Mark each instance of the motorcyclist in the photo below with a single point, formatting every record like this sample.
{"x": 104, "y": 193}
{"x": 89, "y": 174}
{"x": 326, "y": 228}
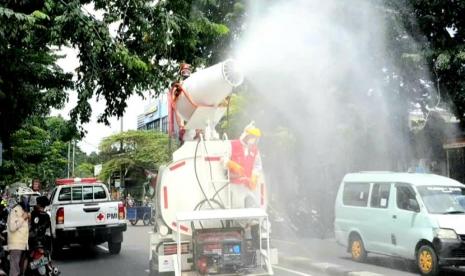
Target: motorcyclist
{"x": 40, "y": 222}
{"x": 3, "y": 221}
{"x": 3, "y": 212}
{"x": 18, "y": 228}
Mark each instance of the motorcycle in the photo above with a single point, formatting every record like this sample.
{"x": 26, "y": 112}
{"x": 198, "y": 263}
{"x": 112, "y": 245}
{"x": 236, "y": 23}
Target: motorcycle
{"x": 4, "y": 262}
{"x": 308, "y": 222}
{"x": 39, "y": 261}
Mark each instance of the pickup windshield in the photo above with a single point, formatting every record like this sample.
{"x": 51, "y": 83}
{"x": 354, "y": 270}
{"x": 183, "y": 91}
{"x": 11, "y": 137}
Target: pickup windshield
{"x": 443, "y": 199}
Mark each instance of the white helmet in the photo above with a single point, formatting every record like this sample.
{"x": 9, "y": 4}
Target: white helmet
{"x": 24, "y": 191}
{"x": 26, "y": 196}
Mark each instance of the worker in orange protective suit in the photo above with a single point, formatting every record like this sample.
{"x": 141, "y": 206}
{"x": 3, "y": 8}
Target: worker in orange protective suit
{"x": 245, "y": 163}
{"x": 176, "y": 91}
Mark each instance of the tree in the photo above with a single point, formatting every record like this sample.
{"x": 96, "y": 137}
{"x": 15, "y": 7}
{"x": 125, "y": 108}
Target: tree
{"x": 38, "y": 150}
{"x": 85, "y": 170}
{"x": 430, "y": 35}
{"x": 30, "y": 81}
{"x": 152, "y": 38}
{"x": 140, "y": 149}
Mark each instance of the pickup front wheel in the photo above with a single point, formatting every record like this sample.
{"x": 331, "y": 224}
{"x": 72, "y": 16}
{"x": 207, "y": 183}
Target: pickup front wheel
{"x": 114, "y": 247}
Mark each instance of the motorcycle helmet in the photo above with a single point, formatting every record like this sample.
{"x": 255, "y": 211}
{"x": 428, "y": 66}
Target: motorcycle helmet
{"x": 23, "y": 197}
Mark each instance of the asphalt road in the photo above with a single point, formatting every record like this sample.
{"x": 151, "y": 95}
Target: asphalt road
{"x": 133, "y": 259}
{"x": 325, "y": 252}
{"x": 90, "y": 261}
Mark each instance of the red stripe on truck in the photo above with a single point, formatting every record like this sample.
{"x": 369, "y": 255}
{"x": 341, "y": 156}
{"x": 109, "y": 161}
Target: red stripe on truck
{"x": 182, "y": 227}
{"x": 165, "y": 197}
{"x": 174, "y": 167}
{"x": 212, "y": 158}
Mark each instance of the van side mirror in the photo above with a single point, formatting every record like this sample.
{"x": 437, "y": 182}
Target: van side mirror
{"x": 413, "y": 205}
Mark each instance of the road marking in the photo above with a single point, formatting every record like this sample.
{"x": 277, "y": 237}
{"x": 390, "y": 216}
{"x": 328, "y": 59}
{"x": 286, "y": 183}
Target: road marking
{"x": 103, "y": 248}
{"x": 364, "y": 273}
{"x": 284, "y": 241}
{"x": 291, "y": 271}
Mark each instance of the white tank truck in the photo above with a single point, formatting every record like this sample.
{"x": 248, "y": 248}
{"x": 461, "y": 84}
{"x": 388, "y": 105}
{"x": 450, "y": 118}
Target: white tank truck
{"x": 204, "y": 223}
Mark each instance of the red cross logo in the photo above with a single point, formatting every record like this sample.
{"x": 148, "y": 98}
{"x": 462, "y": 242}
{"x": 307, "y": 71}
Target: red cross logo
{"x": 100, "y": 217}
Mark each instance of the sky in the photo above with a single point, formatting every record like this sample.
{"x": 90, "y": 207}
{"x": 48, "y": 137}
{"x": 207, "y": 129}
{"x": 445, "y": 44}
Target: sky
{"x": 97, "y": 131}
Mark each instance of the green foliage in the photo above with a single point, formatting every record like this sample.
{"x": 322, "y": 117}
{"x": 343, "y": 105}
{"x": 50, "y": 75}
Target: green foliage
{"x": 38, "y": 150}
{"x": 235, "y": 119}
{"x": 140, "y": 149}
{"x": 85, "y": 170}
{"x": 151, "y": 40}
{"x": 433, "y": 31}
{"x": 30, "y": 81}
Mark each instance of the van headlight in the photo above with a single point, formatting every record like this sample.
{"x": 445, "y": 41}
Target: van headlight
{"x": 446, "y": 234}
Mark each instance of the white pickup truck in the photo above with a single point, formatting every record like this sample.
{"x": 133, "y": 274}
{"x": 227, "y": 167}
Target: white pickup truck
{"x": 82, "y": 212}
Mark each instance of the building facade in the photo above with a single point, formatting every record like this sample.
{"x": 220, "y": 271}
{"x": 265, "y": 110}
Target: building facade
{"x": 155, "y": 116}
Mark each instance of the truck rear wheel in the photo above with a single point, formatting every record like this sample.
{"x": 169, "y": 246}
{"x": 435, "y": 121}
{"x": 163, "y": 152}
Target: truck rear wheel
{"x": 114, "y": 247}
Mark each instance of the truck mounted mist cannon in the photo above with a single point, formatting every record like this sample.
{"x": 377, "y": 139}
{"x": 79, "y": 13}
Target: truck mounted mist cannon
{"x": 211, "y": 199}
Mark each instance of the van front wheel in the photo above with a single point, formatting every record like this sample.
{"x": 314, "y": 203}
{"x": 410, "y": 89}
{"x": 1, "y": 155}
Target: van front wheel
{"x": 427, "y": 261}
{"x": 357, "y": 249}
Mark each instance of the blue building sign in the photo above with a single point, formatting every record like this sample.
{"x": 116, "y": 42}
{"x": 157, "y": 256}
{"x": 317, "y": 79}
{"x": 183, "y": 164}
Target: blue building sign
{"x": 155, "y": 115}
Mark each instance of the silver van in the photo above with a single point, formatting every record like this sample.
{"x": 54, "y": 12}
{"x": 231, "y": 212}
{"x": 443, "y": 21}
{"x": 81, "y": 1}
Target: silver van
{"x": 413, "y": 216}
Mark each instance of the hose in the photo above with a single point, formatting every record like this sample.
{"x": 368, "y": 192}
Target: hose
{"x": 211, "y": 175}
{"x": 222, "y": 187}
{"x": 197, "y": 176}
{"x": 198, "y": 207}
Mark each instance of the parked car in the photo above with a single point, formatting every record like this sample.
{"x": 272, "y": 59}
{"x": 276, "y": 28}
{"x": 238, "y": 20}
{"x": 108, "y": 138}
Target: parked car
{"x": 414, "y": 216}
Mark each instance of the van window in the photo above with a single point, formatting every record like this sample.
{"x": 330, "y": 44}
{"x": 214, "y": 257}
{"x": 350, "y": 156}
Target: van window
{"x": 380, "y": 195}
{"x": 405, "y": 196}
{"x": 355, "y": 194}
{"x": 65, "y": 194}
{"x": 443, "y": 199}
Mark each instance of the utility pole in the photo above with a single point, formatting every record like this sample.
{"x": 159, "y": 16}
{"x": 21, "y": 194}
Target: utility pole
{"x": 74, "y": 154}
{"x": 69, "y": 155}
{"x": 121, "y": 176}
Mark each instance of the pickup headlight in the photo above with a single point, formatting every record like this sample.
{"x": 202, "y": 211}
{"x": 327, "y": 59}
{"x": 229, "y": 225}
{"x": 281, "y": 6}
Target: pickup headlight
{"x": 447, "y": 234}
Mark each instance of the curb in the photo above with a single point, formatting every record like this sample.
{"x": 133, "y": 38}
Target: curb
{"x": 327, "y": 268}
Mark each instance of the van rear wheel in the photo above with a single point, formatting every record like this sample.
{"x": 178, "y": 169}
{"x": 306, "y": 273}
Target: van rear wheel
{"x": 427, "y": 261}
{"x": 357, "y": 249}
